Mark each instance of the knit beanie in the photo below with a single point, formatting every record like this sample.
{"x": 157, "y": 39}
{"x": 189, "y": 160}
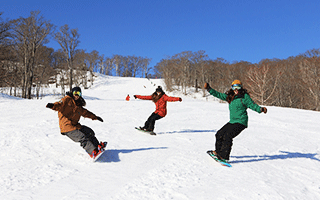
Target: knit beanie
{"x": 77, "y": 89}
{"x": 159, "y": 89}
{"x": 236, "y": 82}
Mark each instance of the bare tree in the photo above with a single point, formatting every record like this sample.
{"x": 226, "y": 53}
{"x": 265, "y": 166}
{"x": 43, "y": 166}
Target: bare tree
{"x": 108, "y": 66}
{"x": 8, "y": 61}
{"x": 93, "y": 59}
{"x": 81, "y": 68}
{"x": 145, "y": 66}
{"x": 163, "y": 69}
{"x": 136, "y": 64}
{"x": 100, "y": 64}
{"x": 183, "y": 65}
{"x": 126, "y": 71}
{"x": 117, "y": 64}
{"x": 68, "y": 40}
{"x": 262, "y": 82}
{"x": 310, "y": 73}
{"x": 29, "y": 35}
{"x": 4, "y": 30}
{"x": 216, "y": 73}
{"x": 198, "y": 60}
{"x": 43, "y": 69}
{"x": 59, "y": 64}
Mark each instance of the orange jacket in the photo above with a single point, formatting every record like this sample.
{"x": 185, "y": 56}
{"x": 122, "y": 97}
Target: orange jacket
{"x": 161, "y": 104}
{"x": 69, "y": 114}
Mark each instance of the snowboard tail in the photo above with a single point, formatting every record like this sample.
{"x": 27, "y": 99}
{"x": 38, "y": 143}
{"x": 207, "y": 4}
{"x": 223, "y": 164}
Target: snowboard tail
{"x": 149, "y": 132}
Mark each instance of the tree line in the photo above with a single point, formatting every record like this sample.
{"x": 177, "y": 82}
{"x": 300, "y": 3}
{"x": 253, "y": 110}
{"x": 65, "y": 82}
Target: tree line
{"x": 27, "y": 65}
{"x": 293, "y": 82}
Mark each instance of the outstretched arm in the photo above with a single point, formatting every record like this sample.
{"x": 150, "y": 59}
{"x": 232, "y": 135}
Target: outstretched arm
{"x": 252, "y": 105}
{"x": 86, "y": 113}
{"x": 58, "y": 106}
{"x": 167, "y": 98}
{"x": 143, "y": 97}
{"x": 215, "y": 93}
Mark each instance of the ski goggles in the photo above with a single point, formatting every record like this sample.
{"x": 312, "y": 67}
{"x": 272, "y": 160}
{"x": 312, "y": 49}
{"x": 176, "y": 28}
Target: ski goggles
{"x": 236, "y": 87}
{"x": 78, "y": 93}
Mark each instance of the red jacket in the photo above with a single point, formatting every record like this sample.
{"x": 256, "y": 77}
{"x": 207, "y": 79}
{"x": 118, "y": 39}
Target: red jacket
{"x": 161, "y": 104}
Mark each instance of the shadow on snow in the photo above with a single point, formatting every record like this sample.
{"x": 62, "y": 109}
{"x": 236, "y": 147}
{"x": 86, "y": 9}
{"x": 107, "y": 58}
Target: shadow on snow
{"x": 112, "y": 155}
{"x": 188, "y": 131}
{"x": 285, "y": 155}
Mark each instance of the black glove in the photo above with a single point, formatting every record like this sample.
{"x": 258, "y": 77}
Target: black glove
{"x": 135, "y": 96}
{"x": 100, "y": 119}
{"x": 49, "y": 105}
{"x": 264, "y": 109}
{"x": 207, "y": 87}
{"x": 180, "y": 99}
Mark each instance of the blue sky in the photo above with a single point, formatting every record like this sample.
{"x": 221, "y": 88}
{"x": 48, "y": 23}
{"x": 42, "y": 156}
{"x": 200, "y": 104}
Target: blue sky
{"x": 248, "y": 30}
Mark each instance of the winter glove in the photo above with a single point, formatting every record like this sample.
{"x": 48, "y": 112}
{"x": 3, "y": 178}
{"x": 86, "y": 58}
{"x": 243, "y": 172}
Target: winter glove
{"x": 264, "y": 109}
{"x": 49, "y": 105}
{"x": 180, "y": 99}
{"x": 100, "y": 119}
{"x": 135, "y": 96}
{"x": 207, "y": 87}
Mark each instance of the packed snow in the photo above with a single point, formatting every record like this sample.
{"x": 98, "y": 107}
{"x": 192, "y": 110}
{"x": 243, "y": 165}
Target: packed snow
{"x": 276, "y": 157}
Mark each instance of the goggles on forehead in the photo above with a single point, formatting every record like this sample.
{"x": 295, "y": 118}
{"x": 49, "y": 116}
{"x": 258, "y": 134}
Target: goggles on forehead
{"x": 76, "y": 93}
{"x": 236, "y": 87}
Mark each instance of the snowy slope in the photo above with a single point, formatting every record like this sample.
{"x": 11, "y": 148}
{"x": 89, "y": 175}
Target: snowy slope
{"x": 277, "y": 157}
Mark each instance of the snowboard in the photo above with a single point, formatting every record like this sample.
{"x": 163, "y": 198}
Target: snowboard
{"x": 217, "y": 160}
{"x": 149, "y": 132}
{"x": 100, "y": 154}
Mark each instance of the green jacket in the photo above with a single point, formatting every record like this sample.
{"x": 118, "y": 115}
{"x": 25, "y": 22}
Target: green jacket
{"x": 238, "y": 107}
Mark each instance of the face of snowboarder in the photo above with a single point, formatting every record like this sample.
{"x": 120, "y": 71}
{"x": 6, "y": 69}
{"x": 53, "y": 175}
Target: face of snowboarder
{"x": 236, "y": 88}
{"x": 158, "y": 93}
{"x": 76, "y": 95}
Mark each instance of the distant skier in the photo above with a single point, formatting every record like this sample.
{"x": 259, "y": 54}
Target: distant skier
{"x": 70, "y": 109}
{"x": 239, "y": 100}
{"x": 160, "y": 99}
{"x": 128, "y": 98}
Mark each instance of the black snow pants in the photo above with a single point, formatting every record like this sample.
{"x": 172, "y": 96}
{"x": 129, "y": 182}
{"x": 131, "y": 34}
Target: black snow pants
{"x": 149, "y": 124}
{"x": 86, "y": 137}
{"x": 224, "y": 138}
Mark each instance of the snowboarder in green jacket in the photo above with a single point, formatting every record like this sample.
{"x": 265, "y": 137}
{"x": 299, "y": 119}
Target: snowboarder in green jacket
{"x": 239, "y": 101}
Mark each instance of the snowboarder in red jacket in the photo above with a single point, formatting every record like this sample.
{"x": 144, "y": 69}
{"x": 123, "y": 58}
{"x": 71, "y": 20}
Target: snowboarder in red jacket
{"x": 160, "y": 99}
{"x": 128, "y": 98}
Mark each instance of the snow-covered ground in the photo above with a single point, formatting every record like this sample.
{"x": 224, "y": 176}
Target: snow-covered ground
{"x": 277, "y": 157}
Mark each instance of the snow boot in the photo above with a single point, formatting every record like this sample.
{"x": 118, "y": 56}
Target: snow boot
{"x": 94, "y": 153}
{"x": 102, "y": 145}
{"x": 217, "y": 156}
